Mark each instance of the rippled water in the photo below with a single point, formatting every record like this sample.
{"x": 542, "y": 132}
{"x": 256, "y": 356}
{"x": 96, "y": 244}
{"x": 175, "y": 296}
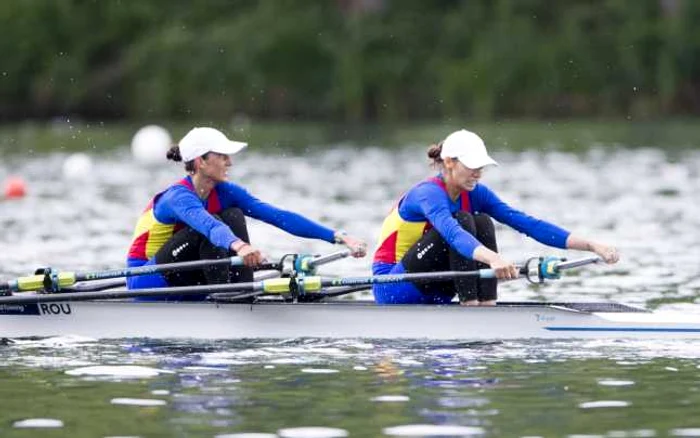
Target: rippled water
{"x": 356, "y": 388}
{"x": 643, "y": 200}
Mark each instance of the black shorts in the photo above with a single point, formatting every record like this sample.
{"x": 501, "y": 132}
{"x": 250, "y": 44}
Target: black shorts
{"x": 188, "y": 244}
{"x": 431, "y": 254}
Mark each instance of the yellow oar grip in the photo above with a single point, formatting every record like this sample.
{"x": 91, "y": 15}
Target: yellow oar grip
{"x": 281, "y": 285}
{"x": 276, "y": 285}
{"x": 312, "y": 284}
{"x": 36, "y": 282}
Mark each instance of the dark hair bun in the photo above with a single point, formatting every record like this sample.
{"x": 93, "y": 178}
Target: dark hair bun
{"x": 434, "y": 152}
{"x": 174, "y": 153}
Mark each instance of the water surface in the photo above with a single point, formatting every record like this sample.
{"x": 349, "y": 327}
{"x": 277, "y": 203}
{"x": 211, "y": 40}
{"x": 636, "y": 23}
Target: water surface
{"x": 642, "y": 199}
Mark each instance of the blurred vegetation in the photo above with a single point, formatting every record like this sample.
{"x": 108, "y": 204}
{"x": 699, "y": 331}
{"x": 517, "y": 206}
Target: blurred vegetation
{"x": 355, "y": 61}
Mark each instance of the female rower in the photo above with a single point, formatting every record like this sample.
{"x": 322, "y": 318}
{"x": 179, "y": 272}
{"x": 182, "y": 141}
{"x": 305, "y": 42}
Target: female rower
{"x": 202, "y": 216}
{"x": 444, "y": 223}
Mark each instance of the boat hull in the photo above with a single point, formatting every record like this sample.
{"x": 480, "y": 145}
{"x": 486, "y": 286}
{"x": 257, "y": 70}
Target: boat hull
{"x": 344, "y": 319}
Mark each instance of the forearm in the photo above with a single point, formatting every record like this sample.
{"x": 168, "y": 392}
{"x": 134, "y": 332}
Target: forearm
{"x": 484, "y": 255}
{"x": 579, "y": 243}
{"x": 293, "y": 223}
{"x": 607, "y": 252}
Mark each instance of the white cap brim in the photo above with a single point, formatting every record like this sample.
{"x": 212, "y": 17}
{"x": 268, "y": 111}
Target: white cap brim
{"x": 229, "y": 148}
{"x": 473, "y": 162}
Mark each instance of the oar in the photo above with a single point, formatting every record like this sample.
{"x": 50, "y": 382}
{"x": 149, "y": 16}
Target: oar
{"x": 114, "y": 283}
{"x": 306, "y": 298}
{"x": 546, "y": 268}
{"x": 55, "y": 281}
{"x": 294, "y": 285}
{"x": 58, "y": 280}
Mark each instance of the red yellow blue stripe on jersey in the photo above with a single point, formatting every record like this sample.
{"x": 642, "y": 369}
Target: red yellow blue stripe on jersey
{"x": 151, "y": 234}
{"x": 398, "y": 235}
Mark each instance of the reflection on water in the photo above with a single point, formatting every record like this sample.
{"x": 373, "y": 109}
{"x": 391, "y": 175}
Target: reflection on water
{"x": 365, "y": 388}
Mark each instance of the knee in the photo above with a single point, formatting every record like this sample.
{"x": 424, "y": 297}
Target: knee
{"x": 486, "y": 231}
{"x": 231, "y": 216}
{"x": 484, "y": 223}
{"x": 466, "y": 220}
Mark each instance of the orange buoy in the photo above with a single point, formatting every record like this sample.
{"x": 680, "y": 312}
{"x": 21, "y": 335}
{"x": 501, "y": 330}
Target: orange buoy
{"x": 14, "y": 188}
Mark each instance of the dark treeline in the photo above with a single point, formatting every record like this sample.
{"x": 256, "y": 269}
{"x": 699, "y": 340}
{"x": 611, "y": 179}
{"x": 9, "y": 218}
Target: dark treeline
{"x": 352, "y": 61}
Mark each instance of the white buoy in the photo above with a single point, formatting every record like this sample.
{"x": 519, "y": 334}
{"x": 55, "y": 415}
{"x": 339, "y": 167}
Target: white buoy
{"x": 77, "y": 167}
{"x": 150, "y": 144}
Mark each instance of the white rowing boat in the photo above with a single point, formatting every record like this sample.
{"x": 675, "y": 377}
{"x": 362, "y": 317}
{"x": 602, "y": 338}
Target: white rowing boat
{"x": 93, "y": 312}
{"x": 340, "y": 319}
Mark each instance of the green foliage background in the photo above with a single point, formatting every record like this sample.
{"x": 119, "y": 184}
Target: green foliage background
{"x": 349, "y": 61}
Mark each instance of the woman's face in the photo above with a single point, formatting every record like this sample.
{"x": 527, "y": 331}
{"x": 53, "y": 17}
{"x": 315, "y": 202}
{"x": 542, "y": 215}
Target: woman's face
{"x": 461, "y": 175}
{"x": 215, "y": 166}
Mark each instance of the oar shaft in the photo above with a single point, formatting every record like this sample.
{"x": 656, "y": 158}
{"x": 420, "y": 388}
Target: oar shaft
{"x": 168, "y": 267}
{"x": 60, "y": 280}
{"x": 121, "y": 294}
{"x": 418, "y": 277}
{"x": 66, "y": 279}
{"x": 153, "y": 269}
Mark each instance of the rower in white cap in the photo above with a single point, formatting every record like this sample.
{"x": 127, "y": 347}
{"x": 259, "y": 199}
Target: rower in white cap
{"x": 202, "y": 216}
{"x": 444, "y": 224}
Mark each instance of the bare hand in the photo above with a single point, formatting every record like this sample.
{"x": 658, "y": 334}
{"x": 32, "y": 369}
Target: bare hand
{"x": 358, "y": 248}
{"x": 504, "y": 269}
{"x": 608, "y": 253}
{"x": 251, "y": 256}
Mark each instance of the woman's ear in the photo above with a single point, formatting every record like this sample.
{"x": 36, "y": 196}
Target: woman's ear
{"x": 199, "y": 162}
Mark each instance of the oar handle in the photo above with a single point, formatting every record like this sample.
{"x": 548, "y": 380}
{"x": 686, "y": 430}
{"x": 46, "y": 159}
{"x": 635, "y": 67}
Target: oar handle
{"x": 578, "y": 263}
{"x": 306, "y": 264}
{"x": 538, "y": 269}
{"x": 547, "y": 267}
{"x": 328, "y": 258}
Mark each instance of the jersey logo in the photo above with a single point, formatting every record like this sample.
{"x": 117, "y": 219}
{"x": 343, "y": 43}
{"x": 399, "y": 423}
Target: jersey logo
{"x": 424, "y": 251}
{"x": 180, "y": 248}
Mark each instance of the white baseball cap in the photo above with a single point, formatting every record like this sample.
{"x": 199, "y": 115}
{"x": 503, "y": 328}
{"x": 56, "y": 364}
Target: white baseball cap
{"x": 468, "y": 148}
{"x": 199, "y": 141}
